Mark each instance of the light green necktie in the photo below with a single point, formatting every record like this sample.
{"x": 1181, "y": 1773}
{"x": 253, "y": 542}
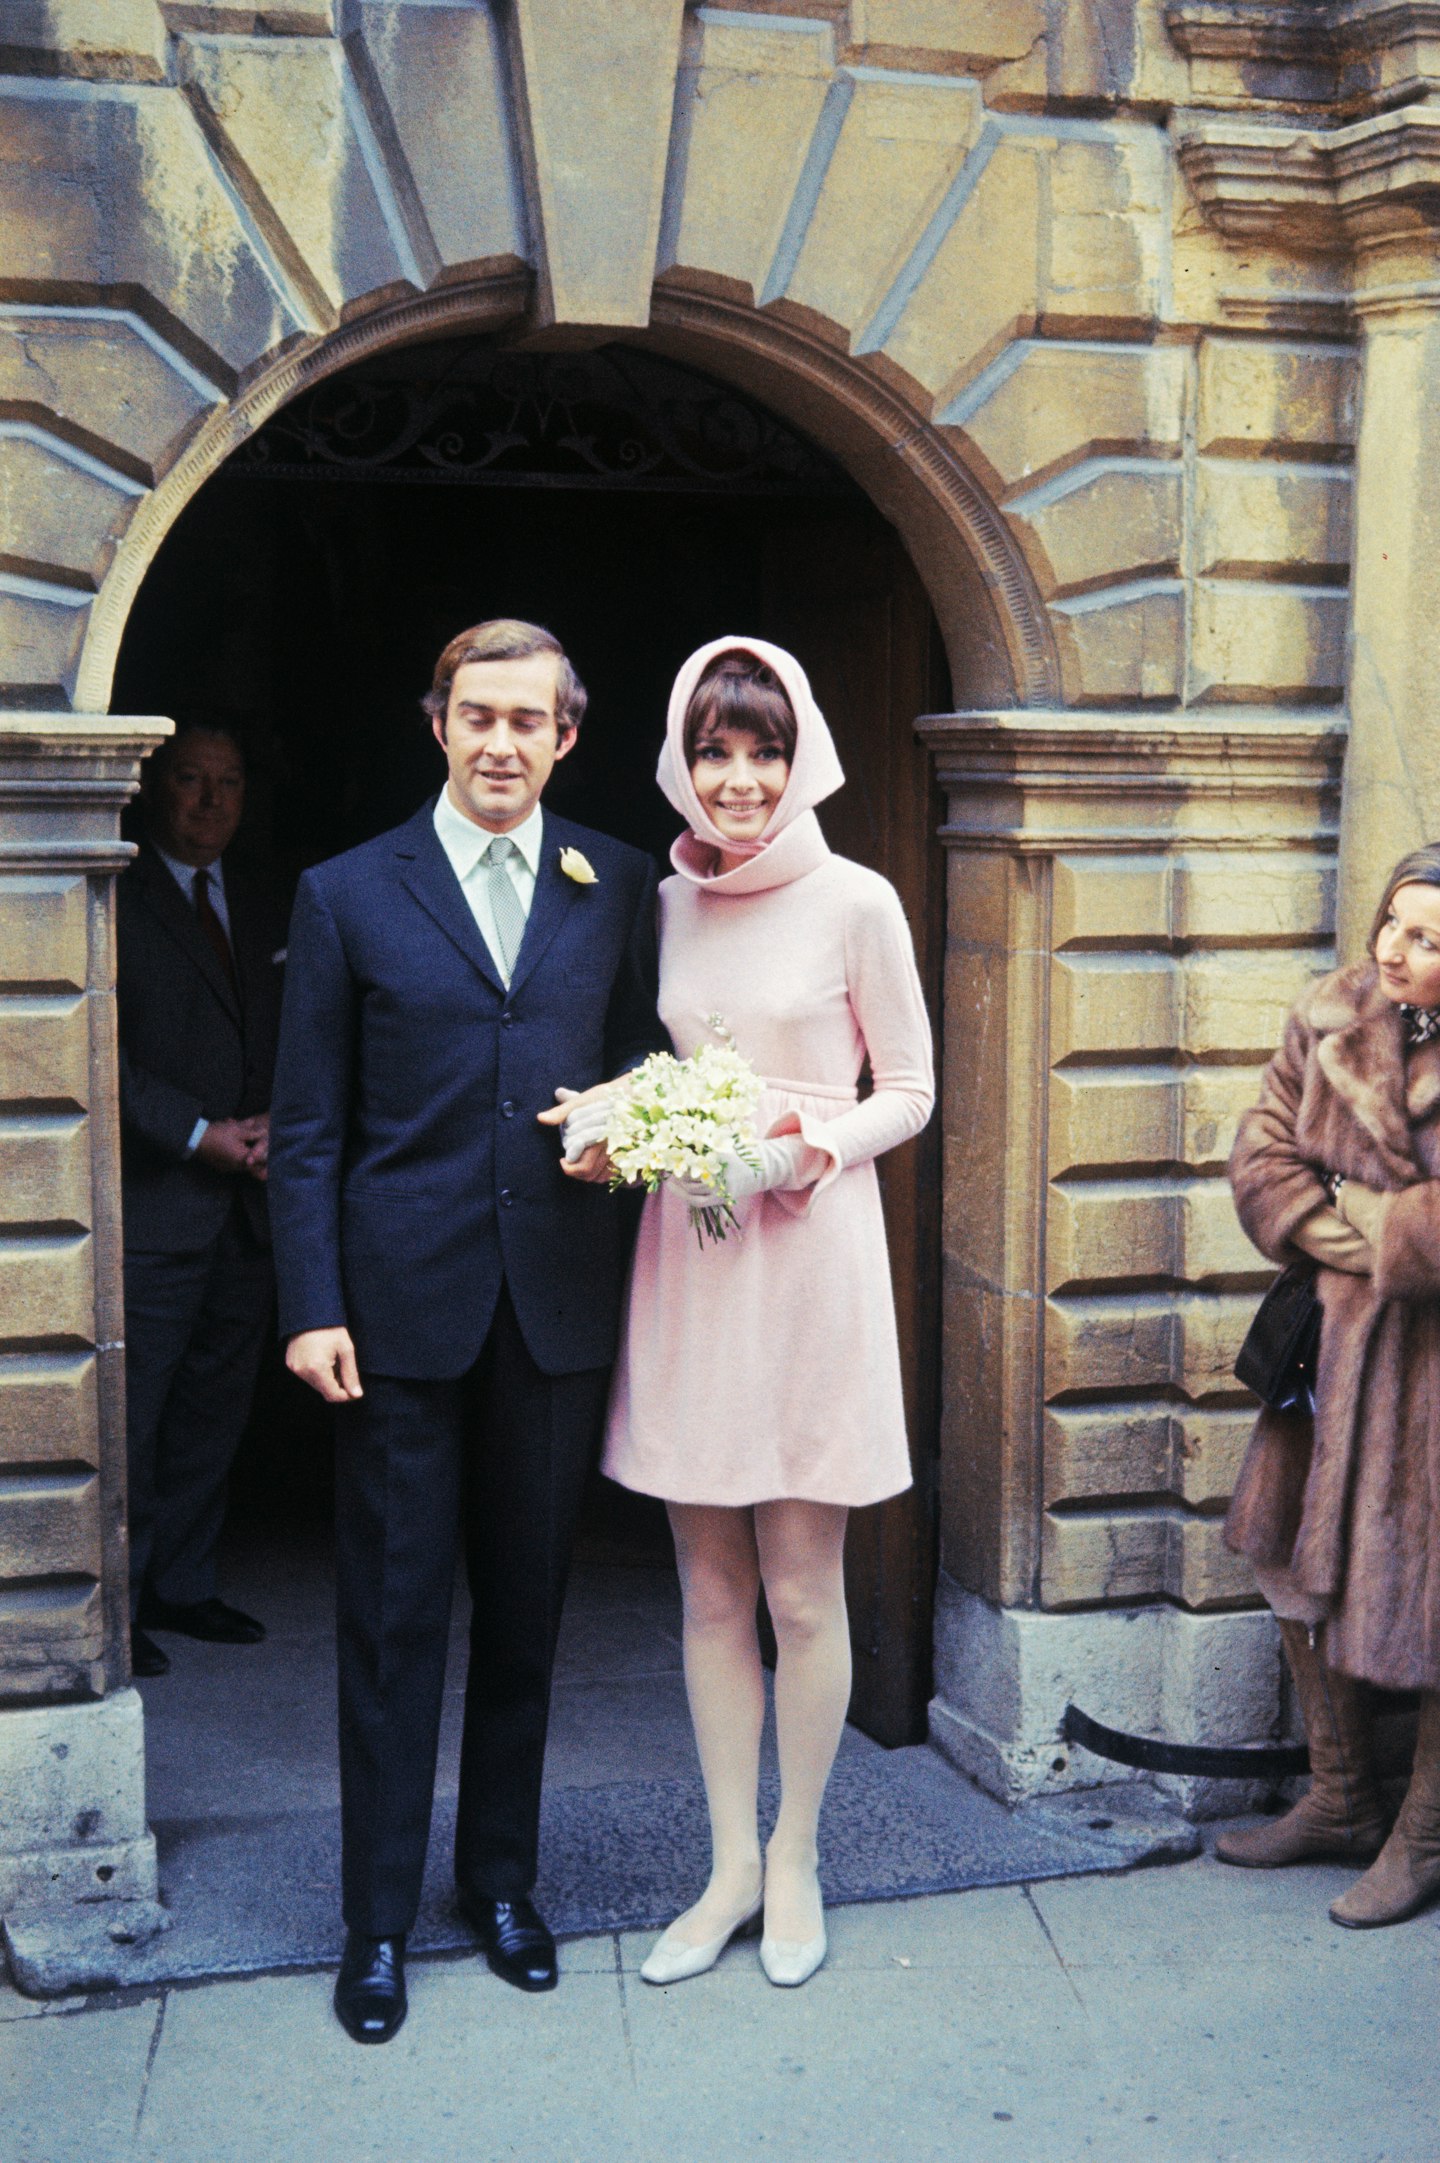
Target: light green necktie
{"x": 507, "y": 910}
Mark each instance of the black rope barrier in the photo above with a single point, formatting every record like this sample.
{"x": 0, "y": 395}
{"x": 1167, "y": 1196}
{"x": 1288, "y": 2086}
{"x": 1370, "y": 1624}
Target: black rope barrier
{"x": 1257, "y": 1761}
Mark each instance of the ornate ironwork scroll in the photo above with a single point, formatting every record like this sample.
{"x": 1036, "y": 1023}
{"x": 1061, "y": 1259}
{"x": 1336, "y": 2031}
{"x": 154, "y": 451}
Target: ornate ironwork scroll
{"x": 472, "y": 414}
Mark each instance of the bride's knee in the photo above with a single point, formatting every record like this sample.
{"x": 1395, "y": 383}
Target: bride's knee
{"x": 805, "y": 1607}
{"x": 719, "y": 1592}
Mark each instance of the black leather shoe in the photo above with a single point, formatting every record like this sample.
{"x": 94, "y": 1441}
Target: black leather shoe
{"x": 515, "y": 1938}
{"x": 146, "y": 1658}
{"x": 370, "y": 2002}
{"x": 212, "y": 1620}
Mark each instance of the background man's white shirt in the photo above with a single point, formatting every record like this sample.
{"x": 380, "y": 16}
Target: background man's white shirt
{"x": 465, "y": 844}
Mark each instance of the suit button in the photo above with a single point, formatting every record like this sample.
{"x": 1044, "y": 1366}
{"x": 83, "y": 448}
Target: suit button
{"x": 507, "y": 1109}
{"x": 507, "y": 1020}
{"x": 507, "y": 1199}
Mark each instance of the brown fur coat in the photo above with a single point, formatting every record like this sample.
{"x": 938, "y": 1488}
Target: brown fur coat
{"x": 1352, "y": 1508}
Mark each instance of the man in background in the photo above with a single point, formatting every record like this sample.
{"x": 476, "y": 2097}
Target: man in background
{"x": 198, "y": 995}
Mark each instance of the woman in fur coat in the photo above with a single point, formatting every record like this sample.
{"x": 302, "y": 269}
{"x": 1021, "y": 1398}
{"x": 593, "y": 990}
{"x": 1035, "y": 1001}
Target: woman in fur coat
{"x": 1340, "y": 1161}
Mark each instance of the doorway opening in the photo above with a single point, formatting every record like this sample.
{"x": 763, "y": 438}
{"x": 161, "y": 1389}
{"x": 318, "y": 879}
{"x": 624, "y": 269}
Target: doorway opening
{"x": 638, "y": 508}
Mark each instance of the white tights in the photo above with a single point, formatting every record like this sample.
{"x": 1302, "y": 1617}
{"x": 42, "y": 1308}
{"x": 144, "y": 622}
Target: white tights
{"x": 795, "y": 1549}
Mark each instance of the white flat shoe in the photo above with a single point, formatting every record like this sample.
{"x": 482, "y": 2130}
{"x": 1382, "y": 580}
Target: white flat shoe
{"x": 674, "y": 1960}
{"x": 788, "y": 1962}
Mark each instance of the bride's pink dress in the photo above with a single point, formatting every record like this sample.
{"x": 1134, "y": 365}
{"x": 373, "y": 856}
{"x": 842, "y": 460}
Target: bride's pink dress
{"x": 767, "y": 1366}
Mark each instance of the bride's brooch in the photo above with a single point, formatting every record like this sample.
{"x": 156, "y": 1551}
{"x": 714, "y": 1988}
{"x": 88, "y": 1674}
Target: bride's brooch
{"x": 578, "y": 867}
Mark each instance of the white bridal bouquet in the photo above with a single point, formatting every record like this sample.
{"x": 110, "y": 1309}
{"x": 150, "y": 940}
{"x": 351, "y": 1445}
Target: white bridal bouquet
{"x": 681, "y": 1118}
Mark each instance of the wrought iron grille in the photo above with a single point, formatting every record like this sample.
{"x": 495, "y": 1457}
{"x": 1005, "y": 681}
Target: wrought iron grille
{"x": 474, "y": 415}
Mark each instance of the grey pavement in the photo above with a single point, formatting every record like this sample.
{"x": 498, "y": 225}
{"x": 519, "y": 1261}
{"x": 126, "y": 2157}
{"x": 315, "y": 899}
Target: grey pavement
{"x": 1190, "y": 2014}
{"x": 1187, "y": 2015}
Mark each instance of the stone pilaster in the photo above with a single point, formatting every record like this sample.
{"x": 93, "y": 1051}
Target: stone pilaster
{"x": 72, "y": 1833}
{"x": 1134, "y": 903}
{"x": 1365, "y": 195}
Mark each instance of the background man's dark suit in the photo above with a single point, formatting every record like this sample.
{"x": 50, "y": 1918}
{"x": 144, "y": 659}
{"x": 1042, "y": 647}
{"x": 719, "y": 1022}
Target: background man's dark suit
{"x": 193, "y": 1045}
{"x": 416, "y": 1201}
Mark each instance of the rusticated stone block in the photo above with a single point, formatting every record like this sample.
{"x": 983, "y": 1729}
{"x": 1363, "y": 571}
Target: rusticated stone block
{"x": 1131, "y": 1341}
{"x": 600, "y": 94}
{"x": 983, "y": 276}
{"x": 278, "y": 115}
{"x": 117, "y": 189}
{"x": 1257, "y": 397}
{"x": 47, "y": 1289}
{"x": 44, "y": 1052}
{"x": 1205, "y": 897}
{"x": 1048, "y": 407}
{"x": 982, "y": 32}
{"x": 1106, "y": 232}
{"x": 48, "y": 1410}
{"x": 751, "y": 93}
{"x": 440, "y": 71}
{"x": 1240, "y": 1002}
{"x": 47, "y": 1626}
{"x": 1258, "y": 519}
{"x": 1260, "y": 642}
{"x": 45, "y": 1172}
{"x": 1122, "y": 644}
{"x": 1139, "y": 1554}
{"x": 1108, "y": 1117}
{"x": 49, "y": 1525}
{"x": 1101, "y": 525}
{"x": 901, "y": 144}
{"x": 1230, "y": 898}
{"x": 1114, "y": 1003}
{"x": 42, "y": 629}
{"x": 121, "y": 39}
{"x": 1109, "y": 900}
{"x": 106, "y": 375}
{"x": 1147, "y": 1448}
{"x": 1128, "y": 1231}
{"x": 43, "y": 932}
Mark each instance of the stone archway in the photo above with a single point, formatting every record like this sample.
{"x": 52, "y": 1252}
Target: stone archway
{"x": 998, "y": 636}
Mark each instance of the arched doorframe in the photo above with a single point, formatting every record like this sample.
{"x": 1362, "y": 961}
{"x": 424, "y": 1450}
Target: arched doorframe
{"x": 996, "y": 629}
{"x": 994, "y": 625}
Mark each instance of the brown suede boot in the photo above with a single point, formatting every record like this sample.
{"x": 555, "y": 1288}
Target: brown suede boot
{"x": 1340, "y": 1817}
{"x": 1406, "y": 1874}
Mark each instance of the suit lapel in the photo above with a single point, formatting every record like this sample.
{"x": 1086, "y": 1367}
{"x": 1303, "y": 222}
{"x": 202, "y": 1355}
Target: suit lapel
{"x": 554, "y": 897}
{"x": 166, "y": 902}
{"x": 430, "y": 877}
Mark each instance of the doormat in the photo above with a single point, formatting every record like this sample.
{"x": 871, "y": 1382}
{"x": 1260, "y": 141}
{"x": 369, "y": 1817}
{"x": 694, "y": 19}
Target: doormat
{"x": 253, "y": 1894}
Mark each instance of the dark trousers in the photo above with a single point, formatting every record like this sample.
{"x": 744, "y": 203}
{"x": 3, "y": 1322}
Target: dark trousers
{"x": 501, "y": 1454}
{"x": 196, "y": 1326}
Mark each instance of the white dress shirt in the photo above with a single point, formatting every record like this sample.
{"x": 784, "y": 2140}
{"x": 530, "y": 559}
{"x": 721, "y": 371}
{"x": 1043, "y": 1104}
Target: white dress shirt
{"x": 465, "y": 844}
{"x": 184, "y": 877}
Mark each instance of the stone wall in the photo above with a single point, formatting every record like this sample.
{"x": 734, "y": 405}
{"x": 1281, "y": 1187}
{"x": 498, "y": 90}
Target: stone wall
{"x": 1089, "y": 297}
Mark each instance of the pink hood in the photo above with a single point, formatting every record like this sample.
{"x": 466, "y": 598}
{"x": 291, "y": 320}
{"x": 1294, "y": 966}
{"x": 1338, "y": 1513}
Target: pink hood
{"x": 792, "y": 843}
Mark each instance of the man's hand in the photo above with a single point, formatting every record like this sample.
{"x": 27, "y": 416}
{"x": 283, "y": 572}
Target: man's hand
{"x": 257, "y": 1162}
{"x": 591, "y": 1164}
{"x": 325, "y": 1358}
{"x": 226, "y": 1144}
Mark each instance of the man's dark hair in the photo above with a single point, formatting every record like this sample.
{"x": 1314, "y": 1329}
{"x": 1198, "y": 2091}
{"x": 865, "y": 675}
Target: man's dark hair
{"x": 506, "y": 638}
{"x": 185, "y": 732}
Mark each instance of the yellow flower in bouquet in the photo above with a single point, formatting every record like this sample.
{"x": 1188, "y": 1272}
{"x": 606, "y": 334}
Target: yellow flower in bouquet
{"x": 681, "y": 1119}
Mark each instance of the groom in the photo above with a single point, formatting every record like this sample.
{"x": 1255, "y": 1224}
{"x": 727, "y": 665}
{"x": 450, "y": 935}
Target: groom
{"x": 447, "y": 1286}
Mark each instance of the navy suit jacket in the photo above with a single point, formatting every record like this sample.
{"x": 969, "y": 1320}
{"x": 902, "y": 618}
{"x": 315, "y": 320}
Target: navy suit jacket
{"x": 190, "y": 1049}
{"x": 408, "y": 1174}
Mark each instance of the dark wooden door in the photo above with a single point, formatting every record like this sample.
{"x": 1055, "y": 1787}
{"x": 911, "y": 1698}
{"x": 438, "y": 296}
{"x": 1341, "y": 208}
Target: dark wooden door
{"x": 841, "y": 594}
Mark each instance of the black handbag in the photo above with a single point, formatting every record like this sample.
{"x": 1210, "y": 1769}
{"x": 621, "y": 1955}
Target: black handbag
{"x": 1281, "y": 1352}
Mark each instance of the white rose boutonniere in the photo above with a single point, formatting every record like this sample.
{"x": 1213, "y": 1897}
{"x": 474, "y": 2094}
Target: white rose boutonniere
{"x": 578, "y": 867}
